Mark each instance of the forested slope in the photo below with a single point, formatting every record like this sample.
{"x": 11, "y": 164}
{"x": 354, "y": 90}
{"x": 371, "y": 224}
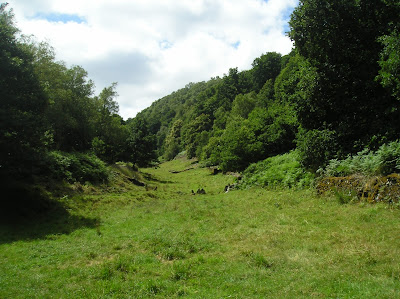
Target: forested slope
{"x": 333, "y": 95}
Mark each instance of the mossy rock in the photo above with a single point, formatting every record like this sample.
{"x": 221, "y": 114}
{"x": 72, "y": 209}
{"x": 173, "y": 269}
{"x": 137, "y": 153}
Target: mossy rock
{"x": 385, "y": 188}
{"x": 376, "y": 189}
{"x": 354, "y": 183}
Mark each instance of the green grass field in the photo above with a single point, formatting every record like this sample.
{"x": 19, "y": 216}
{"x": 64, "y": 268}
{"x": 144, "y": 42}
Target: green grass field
{"x": 168, "y": 243}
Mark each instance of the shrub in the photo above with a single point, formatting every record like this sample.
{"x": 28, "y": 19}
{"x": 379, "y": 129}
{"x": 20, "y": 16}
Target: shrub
{"x": 389, "y": 158}
{"x": 384, "y": 161}
{"x": 364, "y": 162}
{"x": 316, "y": 147}
{"x": 279, "y": 171}
{"x": 77, "y": 167}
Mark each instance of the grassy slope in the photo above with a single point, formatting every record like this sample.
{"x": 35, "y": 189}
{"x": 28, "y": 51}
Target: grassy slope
{"x": 168, "y": 243}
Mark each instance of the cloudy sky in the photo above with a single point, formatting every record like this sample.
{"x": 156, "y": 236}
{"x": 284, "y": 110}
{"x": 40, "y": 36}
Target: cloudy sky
{"x": 153, "y": 47}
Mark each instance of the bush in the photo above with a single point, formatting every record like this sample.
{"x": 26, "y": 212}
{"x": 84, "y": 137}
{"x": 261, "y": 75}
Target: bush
{"x": 316, "y": 147}
{"x": 364, "y": 162}
{"x": 279, "y": 171}
{"x": 77, "y": 167}
{"x": 389, "y": 158}
{"x": 384, "y": 161}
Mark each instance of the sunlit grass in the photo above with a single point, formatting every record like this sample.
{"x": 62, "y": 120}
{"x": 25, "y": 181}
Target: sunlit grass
{"x": 170, "y": 243}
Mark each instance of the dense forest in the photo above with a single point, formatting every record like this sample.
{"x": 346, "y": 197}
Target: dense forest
{"x": 337, "y": 93}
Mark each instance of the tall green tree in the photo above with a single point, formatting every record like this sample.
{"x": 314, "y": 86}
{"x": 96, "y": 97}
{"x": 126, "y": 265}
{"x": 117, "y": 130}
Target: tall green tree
{"x": 141, "y": 144}
{"x": 22, "y": 103}
{"x": 111, "y": 132}
{"x": 239, "y": 146}
{"x": 192, "y": 131}
{"x": 265, "y": 67}
{"x": 339, "y": 93}
{"x": 173, "y": 140}
{"x": 72, "y": 110}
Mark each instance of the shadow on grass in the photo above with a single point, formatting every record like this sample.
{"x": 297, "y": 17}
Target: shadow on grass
{"x": 28, "y": 213}
{"x": 152, "y": 178}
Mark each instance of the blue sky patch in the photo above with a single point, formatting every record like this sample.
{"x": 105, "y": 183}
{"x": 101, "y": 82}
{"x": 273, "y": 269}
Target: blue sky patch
{"x": 236, "y": 45}
{"x": 60, "y": 17}
{"x": 165, "y": 44}
{"x": 286, "y": 16}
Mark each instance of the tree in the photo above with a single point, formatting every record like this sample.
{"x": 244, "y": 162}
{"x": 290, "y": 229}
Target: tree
{"x": 286, "y": 84}
{"x": 173, "y": 140}
{"x": 337, "y": 89}
{"x": 111, "y": 133}
{"x": 72, "y": 111}
{"x": 243, "y": 104}
{"x": 265, "y": 67}
{"x": 389, "y": 74}
{"x": 275, "y": 128}
{"x": 22, "y": 103}
{"x": 239, "y": 146}
{"x": 191, "y": 132}
{"x": 141, "y": 144}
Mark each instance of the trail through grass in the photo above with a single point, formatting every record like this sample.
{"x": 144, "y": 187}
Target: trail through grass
{"x": 168, "y": 243}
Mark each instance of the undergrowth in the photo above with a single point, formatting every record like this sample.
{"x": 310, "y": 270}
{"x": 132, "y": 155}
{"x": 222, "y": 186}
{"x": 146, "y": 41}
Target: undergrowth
{"x": 279, "y": 171}
{"x": 76, "y": 167}
{"x": 384, "y": 161}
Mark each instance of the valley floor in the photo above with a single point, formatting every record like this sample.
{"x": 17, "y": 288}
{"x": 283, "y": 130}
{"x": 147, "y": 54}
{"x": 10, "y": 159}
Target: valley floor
{"x": 161, "y": 241}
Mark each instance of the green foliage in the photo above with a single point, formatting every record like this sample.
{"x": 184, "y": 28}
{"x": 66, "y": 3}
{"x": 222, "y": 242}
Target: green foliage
{"x": 266, "y": 94}
{"x": 212, "y": 151}
{"x": 286, "y": 84}
{"x": 22, "y": 103}
{"x": 338, "y": 90}
{"x": 316, "y": 147}
{"x": 243, "y": 104}
{"x": 110, "y": 127}
{"x": 239, "y": 146}
{"x": 265, "y": 67}
{"x": 389, "y": 74}
{"x": 365, "y": 162}
{"x": 141, "y": 144}
{"x": 206, "y": 109}
{"x": 76, "y": 167}
{"x": 275, "y": 127}
{"x": 71, "y": 112}
{"x": 173, "y": 140}
{"x": 389, "y": 155}
{"x": 279, "y": 171}
{"x": 192, "y": 133}
{"x": 384, "y": 161}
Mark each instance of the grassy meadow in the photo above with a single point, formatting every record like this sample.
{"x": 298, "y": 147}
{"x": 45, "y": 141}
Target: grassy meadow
{"x": 163, "y": 242}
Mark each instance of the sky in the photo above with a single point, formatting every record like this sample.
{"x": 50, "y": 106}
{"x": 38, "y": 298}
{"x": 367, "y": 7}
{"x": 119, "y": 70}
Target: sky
{"x": 154, "y": 47}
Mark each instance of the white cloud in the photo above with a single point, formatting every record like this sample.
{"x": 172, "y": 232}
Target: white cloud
{"x": 154, "y": 47}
